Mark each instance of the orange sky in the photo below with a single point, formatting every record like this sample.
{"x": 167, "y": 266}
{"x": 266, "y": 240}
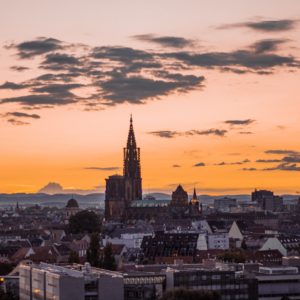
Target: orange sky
{"x": 220, "y": 43}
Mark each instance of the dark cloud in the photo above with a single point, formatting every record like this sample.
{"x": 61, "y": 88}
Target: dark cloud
{"x": 59, "y": 61}
{"x": 246, "y": 132}
{"x": 292, "y": 159}
{"x": 121, "y": 54}
{"x": 17, "y": 114}
{"x": 165, "y": 133}
{"x": 54, "y": 89}
{"x": 176, "y": 166}
{"x": 223, "y": 163}
{"x": 19, "y": 68}
{"x": 47, "y": 95}
{"x": 115, "y": 75}
{"x": 102, "y": 168}
{"x": 58, "y": 77}
{"x": 267, "y": 45}
{"x": 268, "y": 160}
{"x": 212, "y": 131}
{"x": 282, "y": 152}
{"x": 249, "y": 169}
{"x": 39, "y": 46}
{"x": 12, "y": 86}
{"x": 17, "y": 122}
{"x": 239, "y": 122}
{"x": 200, "y": 164}
{"x": 165, "y": 41}
{"x": 288, "y": 162}
{"x": 265, "y": 25}
{"x": 284, "y": 167}
{"x": 40, "y": 100}
{"x": 249, "y": 60}
{"x": 136, "y": 89}
{"x": 193, "y": 132}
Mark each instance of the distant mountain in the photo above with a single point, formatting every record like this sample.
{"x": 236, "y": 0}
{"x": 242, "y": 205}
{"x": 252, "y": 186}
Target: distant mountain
{"x": 97, "y": 199}
{"x": 53, "y": 188}
{"x": 159, "y": 196}
{"x": 59, "y": 200}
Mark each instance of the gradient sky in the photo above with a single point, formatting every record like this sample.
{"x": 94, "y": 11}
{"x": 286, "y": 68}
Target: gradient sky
{"x": 213, "y": 87}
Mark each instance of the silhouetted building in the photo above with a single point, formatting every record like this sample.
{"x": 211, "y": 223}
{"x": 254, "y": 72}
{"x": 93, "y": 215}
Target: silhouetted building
{"x": 179, "y": 197}
{"x": 123, "y": 195}
{"x": 122, "y": 190}
{"x": 225, "y": 204}
{"x": 266, "y": 200}
{"x": 72, "y": 208}
{"x": 132, "y": 168}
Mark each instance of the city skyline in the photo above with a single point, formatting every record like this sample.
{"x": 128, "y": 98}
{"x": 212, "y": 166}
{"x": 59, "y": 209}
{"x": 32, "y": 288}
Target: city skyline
{"x": 213, "y": 94}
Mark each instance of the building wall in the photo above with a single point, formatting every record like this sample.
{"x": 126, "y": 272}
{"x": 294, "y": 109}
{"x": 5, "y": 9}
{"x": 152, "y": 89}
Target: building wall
{"x": 110, "y": 288}
{"x": 225, "y": 282}
{"x": 218, "y": 241}
{"x": 273, "y": 287}
{"x": 36, "y": 284}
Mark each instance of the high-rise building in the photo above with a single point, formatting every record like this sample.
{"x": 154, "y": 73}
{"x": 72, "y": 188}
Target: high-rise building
{"x": 266, "y": 200}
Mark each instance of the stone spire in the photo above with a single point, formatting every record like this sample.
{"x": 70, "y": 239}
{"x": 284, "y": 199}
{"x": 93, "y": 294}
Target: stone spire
{"x": 132, "y": 167}
{"x": 195, "y": 200}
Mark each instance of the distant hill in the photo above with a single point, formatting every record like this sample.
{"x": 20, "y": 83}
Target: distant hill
{"x": 59, "y": 200}
{"x": 97, "y": 199}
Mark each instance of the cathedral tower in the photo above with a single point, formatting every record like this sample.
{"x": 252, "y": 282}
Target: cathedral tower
{"x": 132, "y": 168}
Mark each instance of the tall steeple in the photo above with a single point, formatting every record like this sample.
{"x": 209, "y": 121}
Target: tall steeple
{"x": 195, "y": 200}
{"x": 132, "y": 166}
{"x": 131, "y": 143}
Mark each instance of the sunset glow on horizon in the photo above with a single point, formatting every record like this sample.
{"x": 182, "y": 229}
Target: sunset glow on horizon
{"x": 213, "y": 89}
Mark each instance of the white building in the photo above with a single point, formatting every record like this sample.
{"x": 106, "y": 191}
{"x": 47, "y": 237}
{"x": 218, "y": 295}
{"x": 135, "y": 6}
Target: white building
{"x": 273, "y": 243}
{"x": 79, "y": 282}
{"x": 218, "y": 241}
{"x": 130, "y": 240}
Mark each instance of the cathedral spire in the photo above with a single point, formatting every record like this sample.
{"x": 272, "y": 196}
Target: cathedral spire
{"x": 195, "y": 195}
{"x": 195, "y": 200}
{"x": 131, "y": 143}
{"x": 132, "y": 166}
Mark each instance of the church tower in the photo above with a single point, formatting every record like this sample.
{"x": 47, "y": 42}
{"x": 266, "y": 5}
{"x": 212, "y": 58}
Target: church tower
{"x": 195, "y": 200}
{"x": 132, "y": 168}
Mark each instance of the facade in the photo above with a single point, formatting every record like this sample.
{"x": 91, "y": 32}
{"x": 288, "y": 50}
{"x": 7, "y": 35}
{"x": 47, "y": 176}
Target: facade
{"x": 164, "y": 247}
{"x": 77, "y": 282}
{"x": 81, "y": 282}
{"x": 274, "y": 283}
{"x": 218, "y": 241}
{"x": 230, "y": 284}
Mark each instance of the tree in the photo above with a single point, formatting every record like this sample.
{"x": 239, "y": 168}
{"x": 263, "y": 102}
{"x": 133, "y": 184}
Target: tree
{"x": 84, "y": 221}
{"x": 229, "y": 256}
{"x": 244, "y": 245}
{"x": 5, "y": 268}
{"x": 93, "y": 252}
{"x": 108, "y": 261}
{"x": 184, "y": 294}
{"x": 73, "y": 258}
{"x": 8, "y": 295}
